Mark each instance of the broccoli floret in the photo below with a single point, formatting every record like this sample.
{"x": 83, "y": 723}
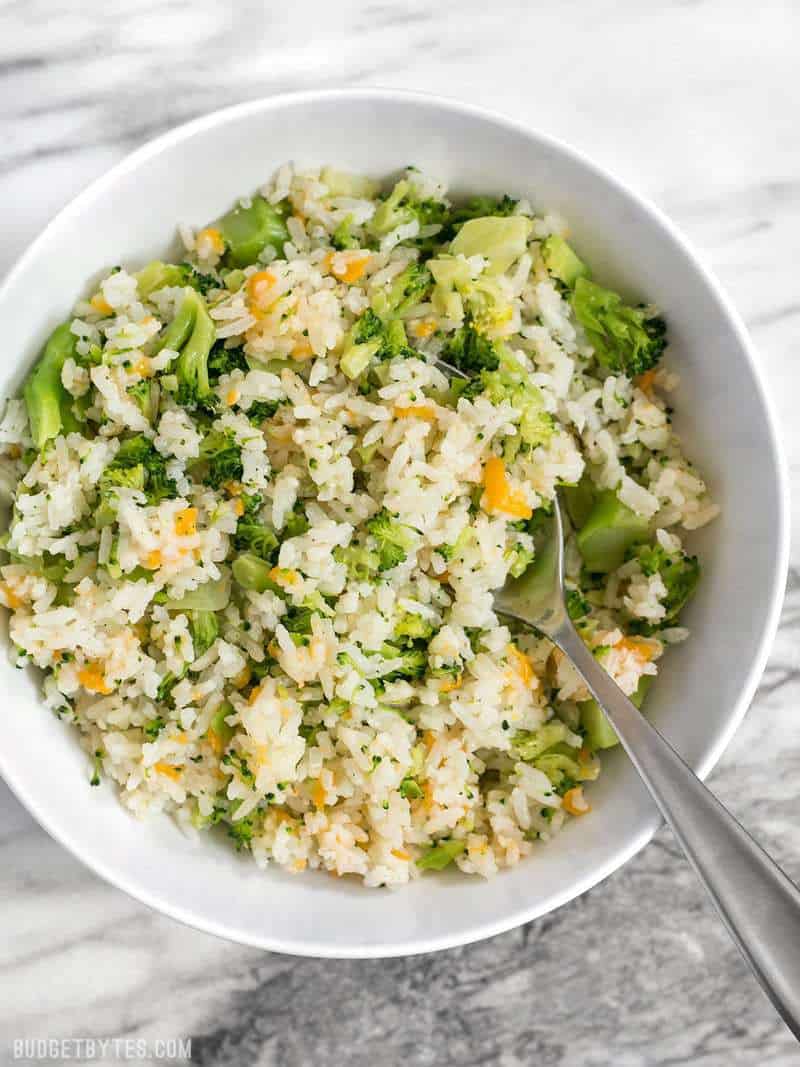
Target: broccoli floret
{"x": 535, "y": 424}
{"x": 624, "y": 338}
{"x": 251, "y": 502}
{"x": 241, "y": 833}
{"x": 261, "y": 410}
{"x": 341, "y": 237}
{"x": 204, "y": 628}
{"x": 577, "y": 605}
{"x": 680, "y": 574}
{"x": 407, "y": 290}
{"x": 167, "y": 684}
{"x": 295, "y": 524}
{"x": 153, "y": 728}
{"x": 222, "y": 458}
{"x": 199, "y": 281}
{"x": 112, "y": 479}
{"x": 222, "y": 360}
{"x": 368, "y": 327}
{"x": 403, "y": 205}
{"x": 143, "y": 395}
{"x": 470, "y": 351}
{"x": 255, "y": 538}
{"x": 191, "y": 368}
{"x": 361, "y": 562}
{"x": 413, "y": 628}
{"x": 522, "y": 558}
{"x": 147, "y": 470}
{"x": 413, "y": 666}
{"x": 393, "y": 539}
{"x": 371, "y": 338}
{"x": 410, "y": 789}
{"x": 297, "y": 620}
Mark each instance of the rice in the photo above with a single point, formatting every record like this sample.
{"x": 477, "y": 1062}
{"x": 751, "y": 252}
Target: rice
{"x": 255, "y": 555}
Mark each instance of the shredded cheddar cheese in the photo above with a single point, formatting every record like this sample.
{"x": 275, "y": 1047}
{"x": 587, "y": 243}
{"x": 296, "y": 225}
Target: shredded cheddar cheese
{"x": 499, "y": 494}
{"x": 168, "y": 770}
{"x": 420, "y": 411}
{"x": 186, "y": 522}
{"x": 574, "y": 801}
{"x": 92, "y": 678}
{"x": 101, "y": 305}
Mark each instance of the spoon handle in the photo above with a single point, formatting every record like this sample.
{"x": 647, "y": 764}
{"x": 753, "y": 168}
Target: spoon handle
{"x": 757, "y": 902}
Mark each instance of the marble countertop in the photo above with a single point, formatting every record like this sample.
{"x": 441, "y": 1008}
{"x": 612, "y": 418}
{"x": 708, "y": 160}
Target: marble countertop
{"x": 695, "y": 104}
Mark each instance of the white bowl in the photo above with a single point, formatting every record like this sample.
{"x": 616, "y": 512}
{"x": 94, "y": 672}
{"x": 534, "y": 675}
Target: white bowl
{"x": 192, "y": 174}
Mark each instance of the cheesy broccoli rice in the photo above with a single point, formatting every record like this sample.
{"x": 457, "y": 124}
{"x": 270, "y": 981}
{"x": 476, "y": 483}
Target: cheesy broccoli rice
{"x": 257, "y": 523}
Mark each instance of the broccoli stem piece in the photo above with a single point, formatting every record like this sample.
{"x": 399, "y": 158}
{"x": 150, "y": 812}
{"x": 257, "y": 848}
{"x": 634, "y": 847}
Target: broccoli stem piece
{"x": 157, "y": 275}
{"x": 248, "y": 230}
{"x": 192, "y": 365}
{"x": 47, "y": 401}
{"x": 609, "y": 531}
{"x": 253, "y": 573}
{"x": 561, "y": 260}
{"x": 205, "y": 630}
{"x": 210, "y": 596}
{"x": 598, "y": 730}
{"x": 221, "y": 731}
{"x": 177, "y": 333}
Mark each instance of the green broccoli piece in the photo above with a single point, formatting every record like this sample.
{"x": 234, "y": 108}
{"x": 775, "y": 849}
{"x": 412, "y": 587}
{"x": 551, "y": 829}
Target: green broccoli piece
{"x": 413, "y": 628}
{"x": 251, "y": 502}
{"x": 562, "y": 261}
{"x": 408, "y": 289}
{"x": 477, "y": 207}
{"x": 255, "y": 538}
{"x": 248, "y": 230}
{"x": 680, "y": 574}
{"x": 147, "y": 470}
{"x": 204, "y": 627}
{"x": 469, "y": 351}
{"x": 153, "y": 728}
{"x": 112, "y": 479}
{"x": 392, "y": 538}
{"x": 295, "y": 524}
{"x": 625, "y": 339}
{"x": 410, "y": 789}
{"x": 578, "y": 606}
{"x": 199, "y": 281}
{"x": 241, "y": 833}
{"x": 522, "y": 558}
{"x": 530, "y": 744}
{"x": 253, "y": 573}
{"x": 372, "y": 338}
{"x": 413, "y": 666}
{"x": 144, "y": 395}
{"x": 341, "y": 237}
{"x": 509, "y": 383}
{"x": 368, "y": 327}
{"x": 191, "y": 368}
{"x": 297, "y": 620}
{"x": 48, "y": 402}
{"x": 440, "y": 855}
{"x": 403, "y": 205}
{"x": 261, "y": 410}
{"x": 362, "y": 563}
{"x": 222, "y": 360}
{"x": 221, "y": 458}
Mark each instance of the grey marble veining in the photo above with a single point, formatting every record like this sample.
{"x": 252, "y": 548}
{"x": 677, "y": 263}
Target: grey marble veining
{"x": 694, "y": 103}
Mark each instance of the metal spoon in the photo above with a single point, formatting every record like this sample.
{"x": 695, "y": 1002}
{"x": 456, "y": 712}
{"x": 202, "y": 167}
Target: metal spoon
{"x": 757, "y": 902}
